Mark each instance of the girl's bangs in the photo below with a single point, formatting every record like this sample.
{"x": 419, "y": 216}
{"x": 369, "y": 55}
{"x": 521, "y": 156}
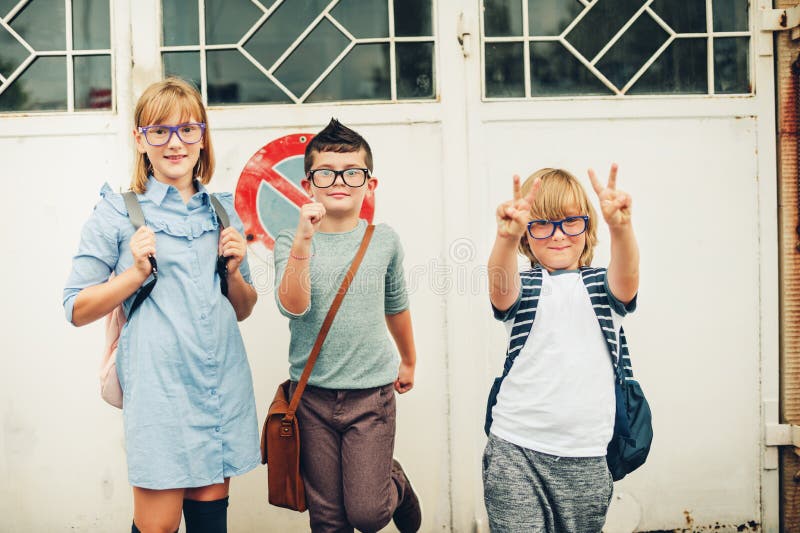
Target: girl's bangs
{"x": 164, "y": 104}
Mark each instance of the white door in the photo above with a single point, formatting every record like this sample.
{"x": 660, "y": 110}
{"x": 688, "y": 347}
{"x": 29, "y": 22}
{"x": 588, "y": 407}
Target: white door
{"x": 680, "y": 94}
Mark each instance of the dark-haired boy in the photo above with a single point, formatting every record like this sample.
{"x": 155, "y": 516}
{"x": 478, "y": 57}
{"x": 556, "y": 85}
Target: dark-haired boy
{"x": 347, "y": 413}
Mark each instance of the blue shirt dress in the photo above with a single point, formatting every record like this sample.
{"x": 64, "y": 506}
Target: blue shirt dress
{"x": 189, "y": 410}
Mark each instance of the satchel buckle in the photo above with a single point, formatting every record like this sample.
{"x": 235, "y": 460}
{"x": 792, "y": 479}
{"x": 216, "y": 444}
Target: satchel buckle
{"x": 286, "y": 428}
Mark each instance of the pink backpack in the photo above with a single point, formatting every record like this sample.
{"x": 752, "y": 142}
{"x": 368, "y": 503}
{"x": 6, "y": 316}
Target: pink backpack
{"x": 110, "y": 389}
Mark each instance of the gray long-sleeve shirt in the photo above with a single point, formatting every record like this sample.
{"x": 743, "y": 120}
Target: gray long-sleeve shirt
{"x": 357, "y": 353}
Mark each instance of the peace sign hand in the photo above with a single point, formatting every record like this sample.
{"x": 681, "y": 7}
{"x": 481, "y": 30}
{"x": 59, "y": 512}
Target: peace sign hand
{"x": 513, "y": 216}
{"x": 615, "y": 205}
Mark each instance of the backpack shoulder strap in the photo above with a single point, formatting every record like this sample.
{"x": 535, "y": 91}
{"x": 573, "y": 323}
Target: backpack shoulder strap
{"x": 136, "y": 216}
{"x": 222, "y": 215}
{"x": 531, "y": 289}
{"x": 135, "y": 213}
{"x": 595, "y": 281}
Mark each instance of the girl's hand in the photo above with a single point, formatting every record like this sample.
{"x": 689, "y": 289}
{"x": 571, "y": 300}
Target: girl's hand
{"x": 311, "y": 214}
{"x": 405, "y": 378}
{"x": 513, "y": 216}
{"x": 615, "y": 205}
{"x": 143, "y": 245}
{"x": 233, "y": 246}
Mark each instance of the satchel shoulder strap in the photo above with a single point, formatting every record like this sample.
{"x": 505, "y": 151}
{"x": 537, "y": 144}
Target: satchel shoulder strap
{"x": 326, "y": 325}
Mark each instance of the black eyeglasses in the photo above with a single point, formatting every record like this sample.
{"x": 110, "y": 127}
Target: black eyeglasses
{"x": 570, "y": 226}
{"x": 326, "y": 177}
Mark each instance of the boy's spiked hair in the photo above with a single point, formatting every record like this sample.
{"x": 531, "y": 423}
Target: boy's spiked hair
{"x": 336, "y": 137}
{"x": 559, "y": 190}
{"x": 158, "y": 102}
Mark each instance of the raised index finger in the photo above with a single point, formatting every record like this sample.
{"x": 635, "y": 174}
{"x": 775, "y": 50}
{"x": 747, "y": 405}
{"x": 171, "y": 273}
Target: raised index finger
{"x": 516, "y": 187}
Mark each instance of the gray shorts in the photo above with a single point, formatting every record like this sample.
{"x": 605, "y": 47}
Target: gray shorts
{"x": 528, "y": 491}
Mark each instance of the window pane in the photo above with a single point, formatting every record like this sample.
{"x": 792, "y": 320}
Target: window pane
{"x": 731, "y": 68}
{"x": 41, "y": 24}
{"x": 502, "y": 18}
{"x": 281, "y": 29}
{"x": 600, "y": 24}
{"x": 413, "y": 18}
{"x": 180, "y": 22}
{"x": 730, "y": 15}
{"x": 414, "y": 70}
{"x": 556, "y": 72}
{"x": 310, "y": 59}
{"x": 632, "y": 50}
{"x": 91, "y": 24}
{"x": 233, "y": 79}
{"x": 680, "y": 69}
{"x": 364, "y": 19}
{"x": 43, "y": 86}
{"x": 228, "y": 20}
{"x": 5, "y": 7}
{"x": 185, "y": 65}
{"x": 362, "y": 75}
{"x": 551, "y": 17}
{"x": 686, "y": 16}
{"x": 12, "y": 53}
{"x": 505, "y": 74}
{"x": 92, "y": 77}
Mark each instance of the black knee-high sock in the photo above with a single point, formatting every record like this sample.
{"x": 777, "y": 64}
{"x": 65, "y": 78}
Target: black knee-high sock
{"x": 206, "y": 517}
{"x": 135, "y": 529}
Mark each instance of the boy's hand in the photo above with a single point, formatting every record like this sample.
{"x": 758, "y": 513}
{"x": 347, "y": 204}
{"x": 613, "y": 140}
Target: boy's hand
{"x": 143, "y": 245}
{"x": 311, "y": 214}
{"x": 405, "y": 378}
{"x": 233, "y": 246}
{"x": 513, "y": 216}
{"x": 615, "y": 205}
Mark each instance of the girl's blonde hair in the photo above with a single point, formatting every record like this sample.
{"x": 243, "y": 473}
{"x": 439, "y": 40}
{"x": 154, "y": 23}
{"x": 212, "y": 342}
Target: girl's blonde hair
{"x": 157, "y": 103}
{"x": 559, "y": 191}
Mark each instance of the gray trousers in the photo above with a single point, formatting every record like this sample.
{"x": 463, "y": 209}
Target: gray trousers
{"x": 528, "y": 491}
{"x": 346, "y": 458}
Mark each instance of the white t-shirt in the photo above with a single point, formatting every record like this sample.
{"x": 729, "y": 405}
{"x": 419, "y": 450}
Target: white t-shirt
{"x": 558, "y": 397}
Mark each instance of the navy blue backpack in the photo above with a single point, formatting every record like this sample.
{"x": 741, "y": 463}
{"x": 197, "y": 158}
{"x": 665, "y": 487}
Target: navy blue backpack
{"x": 633, "y": 427}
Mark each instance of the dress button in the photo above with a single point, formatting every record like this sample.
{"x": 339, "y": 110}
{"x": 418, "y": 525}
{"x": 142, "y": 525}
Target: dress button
{"x": 213, "y": 392}
{"x": 203, "y": 316}
{"x": 216, "y": 429}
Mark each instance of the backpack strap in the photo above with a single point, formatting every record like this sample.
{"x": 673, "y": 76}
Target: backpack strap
{"x": 222, "y": 261}
{"x": 595, "y": 281}
{"x": 136, "y": 217}
{"x": 530, "y": 290}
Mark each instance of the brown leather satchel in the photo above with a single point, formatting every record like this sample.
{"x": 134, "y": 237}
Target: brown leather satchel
{"x": 280, "y": 437}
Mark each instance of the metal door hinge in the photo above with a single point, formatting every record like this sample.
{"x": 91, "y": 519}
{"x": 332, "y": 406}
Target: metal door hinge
{"x": 776, "y": 435}
{"x": 782, "y": 19}
{"x": 782, "y": 435}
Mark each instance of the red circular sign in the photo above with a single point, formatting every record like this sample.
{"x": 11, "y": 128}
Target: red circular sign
{"x": 269, "y": 192}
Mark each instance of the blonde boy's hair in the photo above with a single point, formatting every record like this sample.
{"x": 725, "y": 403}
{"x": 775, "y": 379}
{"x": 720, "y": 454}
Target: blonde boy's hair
{"x": 559, "y": 190}
{"x": 157, "y": 103}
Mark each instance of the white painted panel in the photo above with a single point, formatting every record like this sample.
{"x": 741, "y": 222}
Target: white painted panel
{"x": 695, "y": 337}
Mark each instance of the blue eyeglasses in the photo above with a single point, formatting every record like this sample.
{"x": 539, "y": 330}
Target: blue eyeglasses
{"x": 570, "y": 226}
{"x": 159, "y": 135}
